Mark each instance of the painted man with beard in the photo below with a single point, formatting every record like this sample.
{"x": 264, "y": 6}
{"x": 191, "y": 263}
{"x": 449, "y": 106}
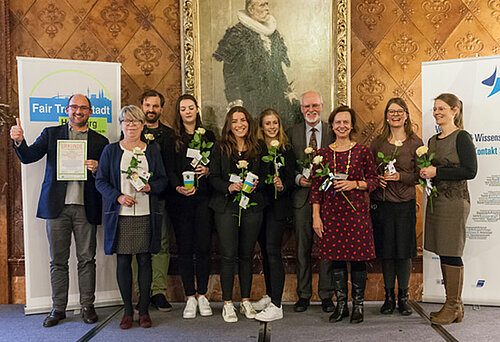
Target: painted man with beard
{"x": 152, "y": 103}
{"x": 253, "y": 53}
{"x": 312, "y": 133}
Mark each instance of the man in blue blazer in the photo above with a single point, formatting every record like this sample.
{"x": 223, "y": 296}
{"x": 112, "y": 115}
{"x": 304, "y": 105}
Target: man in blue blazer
{"x": 316, "y": 134}
{"x": 69, "y": 207}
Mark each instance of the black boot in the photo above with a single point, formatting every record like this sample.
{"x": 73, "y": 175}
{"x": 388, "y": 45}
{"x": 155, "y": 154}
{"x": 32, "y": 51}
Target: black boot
{"x": 389, "y": 303}
{"x": 403, "y": 307}
{"x": 340, "y": 285}
{"x": 358, "y": 281}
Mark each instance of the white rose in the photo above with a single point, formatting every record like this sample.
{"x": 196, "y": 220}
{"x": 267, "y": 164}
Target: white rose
{"x": 317, "y": 160}
{"x": 422, "y": 150}
{"x": 242, "y": 164}
{"x": 275, "y": 143}
{"x": 308, "y": 150}
{"x": 200, "y": 130}
{"x": 137, "y": 150}
{"x": 398, "y": 143}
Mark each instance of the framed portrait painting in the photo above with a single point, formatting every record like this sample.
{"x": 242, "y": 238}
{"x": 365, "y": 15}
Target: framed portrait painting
{"x": 264, "y": 54}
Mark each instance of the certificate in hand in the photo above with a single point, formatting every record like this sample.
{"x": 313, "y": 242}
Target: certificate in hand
{"x": 71, "y": 156}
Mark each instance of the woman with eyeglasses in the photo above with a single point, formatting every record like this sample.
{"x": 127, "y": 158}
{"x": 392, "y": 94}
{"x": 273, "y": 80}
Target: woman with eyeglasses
{"x": 453, "y": 164}
{"x": 192, "y": 218}
{"x": 130, "y": 176}
{"x": 393, "y": 205}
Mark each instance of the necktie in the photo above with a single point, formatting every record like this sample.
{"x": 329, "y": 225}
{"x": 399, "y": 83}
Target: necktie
{"x": 312, "y": 140}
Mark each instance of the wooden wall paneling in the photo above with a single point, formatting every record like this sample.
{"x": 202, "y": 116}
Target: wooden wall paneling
{"x": 4, "y": 143}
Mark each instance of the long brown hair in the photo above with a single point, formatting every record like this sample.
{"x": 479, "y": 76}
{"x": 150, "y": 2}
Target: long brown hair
{"x": 453, "y": 101}
{"x": 178, "y": 126}
{"x": 281, "y": 137}
{"x": 228, "y": 140}
{"x": 386, "y": 129}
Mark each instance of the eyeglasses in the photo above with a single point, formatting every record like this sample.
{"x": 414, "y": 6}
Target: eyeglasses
{"x": 82, "y": 108}
{"x": 131, "y": 122}
{"x": 396, "y": 112}
{"x": 440, "y": 109}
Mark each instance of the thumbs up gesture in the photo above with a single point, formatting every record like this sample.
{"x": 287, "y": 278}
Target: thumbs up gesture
{"x": 16, "y": 132}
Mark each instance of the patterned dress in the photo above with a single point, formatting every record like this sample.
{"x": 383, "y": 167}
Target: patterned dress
{"x": 348, "y": 234}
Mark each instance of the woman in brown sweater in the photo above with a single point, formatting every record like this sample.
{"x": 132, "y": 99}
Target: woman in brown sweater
{"x": 393, "y": 207}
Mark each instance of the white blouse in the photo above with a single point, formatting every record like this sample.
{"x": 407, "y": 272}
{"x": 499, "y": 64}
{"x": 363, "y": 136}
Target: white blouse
{"x": 142, "y": 207}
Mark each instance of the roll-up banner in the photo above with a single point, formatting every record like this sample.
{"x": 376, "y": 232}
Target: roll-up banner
{"x": 45, "y": 86}
{"x": 476, "y": 81}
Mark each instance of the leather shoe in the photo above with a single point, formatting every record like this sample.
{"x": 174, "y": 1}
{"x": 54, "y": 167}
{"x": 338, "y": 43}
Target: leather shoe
{"x": 301, "y": 305}
{"x": 145, "y": 321}
{"x": 89, "y": 315}
{"x": 126, "y": 322}
{"x": 327, "y": 305}
{"x": 53, "y": 318}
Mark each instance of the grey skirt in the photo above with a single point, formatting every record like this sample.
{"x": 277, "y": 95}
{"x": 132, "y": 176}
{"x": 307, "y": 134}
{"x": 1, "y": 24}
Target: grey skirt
{"x": 133, "y": 235}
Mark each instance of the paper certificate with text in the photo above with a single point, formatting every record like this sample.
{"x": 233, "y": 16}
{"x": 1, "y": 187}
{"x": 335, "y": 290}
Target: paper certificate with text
{"x": 71, "y": 156}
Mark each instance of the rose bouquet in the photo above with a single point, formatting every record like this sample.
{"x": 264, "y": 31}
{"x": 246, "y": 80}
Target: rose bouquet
{"x": 199, "y": 149}
{"x": 324, "y": 171}
{"x": 241, "y": 198}
{"x": 389, "y": 160}
{"x": 278, "y": 161}
{"x": 425, "y": 161}
{"x": 137, "y": 176}
{"x": 306, "y": 163}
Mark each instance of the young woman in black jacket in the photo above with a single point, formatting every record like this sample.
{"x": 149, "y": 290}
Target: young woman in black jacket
{"x": 237, "y": 228}
{"x": 272, "y": 133}
{"x": 192, "y": 218}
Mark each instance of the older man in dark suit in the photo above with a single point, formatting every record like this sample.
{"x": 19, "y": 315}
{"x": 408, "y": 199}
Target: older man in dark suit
{"x": 316, "y": 134}
{"x": 69, "y": 207}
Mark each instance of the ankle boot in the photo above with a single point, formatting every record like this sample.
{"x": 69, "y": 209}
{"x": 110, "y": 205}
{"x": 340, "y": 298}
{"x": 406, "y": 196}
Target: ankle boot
{"x": 452, "y": 309}
{"x": 340, "y": 285}
{"x": 435, "y": 313}
{"x": 403, "y": 307}
{"x": 358, "y": 281}
{"x": 389, "y": 303}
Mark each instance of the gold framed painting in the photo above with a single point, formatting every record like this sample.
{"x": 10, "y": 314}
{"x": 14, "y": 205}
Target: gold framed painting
{"x": 264, "y": 54}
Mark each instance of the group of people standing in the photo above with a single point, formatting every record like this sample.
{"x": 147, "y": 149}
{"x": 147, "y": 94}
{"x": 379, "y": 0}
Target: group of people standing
{"x": 245, "y": 184}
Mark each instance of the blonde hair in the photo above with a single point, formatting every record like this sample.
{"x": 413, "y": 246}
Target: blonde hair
{"x": 281, "y": 137}
{"x": 132, "y": 112}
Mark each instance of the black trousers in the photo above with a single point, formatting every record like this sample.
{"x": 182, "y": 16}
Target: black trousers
{"x": 193, "y": 223}
{"x": 270, "y": 239}
{"x": 237, "y": 245}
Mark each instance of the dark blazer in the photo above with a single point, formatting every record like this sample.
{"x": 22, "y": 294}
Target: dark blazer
{"x": 219, "y": 179}
{"x": 53, "y": 193}
{"x": 297, "y": 136}
{"x": 281, "y": 206}
{"x": 108, "y": 182}
{"x": 177, "y": 162}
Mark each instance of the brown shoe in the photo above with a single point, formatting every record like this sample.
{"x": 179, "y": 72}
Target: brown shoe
{"x": 53, "y": 318}
{"x": 145, "y": 321}
{"x": 126, "y": 322}
{"x": 452, "y": 309}
{"x": 89, "y": 315}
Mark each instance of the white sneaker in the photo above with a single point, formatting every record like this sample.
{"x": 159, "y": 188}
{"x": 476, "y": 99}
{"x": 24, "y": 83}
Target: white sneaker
{"x": 269, "y": 314}
{"x": 247, "y": 309}
{"x": 190, "y": 308}
{"x": 204, "y": 306}
{"x": 262, "y": 303}
{"x": 229, "y": 313}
